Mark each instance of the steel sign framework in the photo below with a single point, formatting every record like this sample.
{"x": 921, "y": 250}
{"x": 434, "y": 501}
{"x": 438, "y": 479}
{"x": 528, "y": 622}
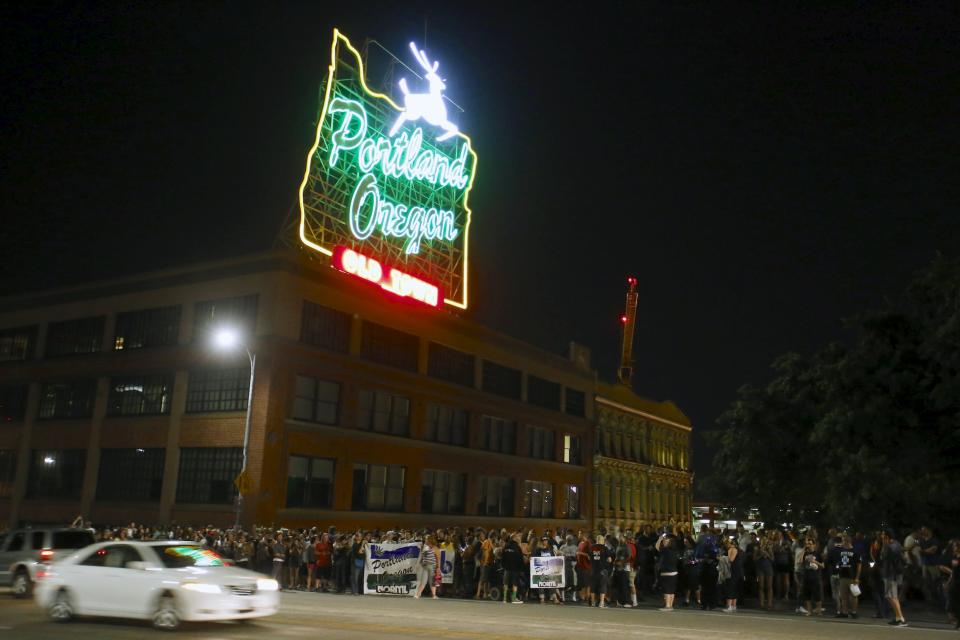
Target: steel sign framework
{"x": 386, "y": 181}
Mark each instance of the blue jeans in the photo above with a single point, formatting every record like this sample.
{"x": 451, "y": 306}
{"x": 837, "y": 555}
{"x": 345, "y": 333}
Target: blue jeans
{"x": 356, "y": 579}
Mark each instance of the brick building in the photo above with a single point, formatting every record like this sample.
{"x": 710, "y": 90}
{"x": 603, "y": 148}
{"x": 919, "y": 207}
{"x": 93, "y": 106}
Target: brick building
{"x": 366, "y": 410}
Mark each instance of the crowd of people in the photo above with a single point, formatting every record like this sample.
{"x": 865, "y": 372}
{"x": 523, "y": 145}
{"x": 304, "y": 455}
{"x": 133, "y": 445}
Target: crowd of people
{"x": 672, "y": 566}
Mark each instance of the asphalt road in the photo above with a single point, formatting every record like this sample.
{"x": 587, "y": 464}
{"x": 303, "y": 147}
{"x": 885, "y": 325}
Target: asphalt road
{"x": 339, "y": 616}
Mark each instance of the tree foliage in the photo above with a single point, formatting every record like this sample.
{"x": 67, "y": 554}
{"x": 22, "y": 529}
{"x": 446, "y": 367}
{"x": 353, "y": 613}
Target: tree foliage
{"x": 865, "y": 435}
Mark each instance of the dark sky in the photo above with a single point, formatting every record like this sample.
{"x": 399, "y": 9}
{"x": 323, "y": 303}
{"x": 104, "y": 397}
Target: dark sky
{"x": 764, "y": 171}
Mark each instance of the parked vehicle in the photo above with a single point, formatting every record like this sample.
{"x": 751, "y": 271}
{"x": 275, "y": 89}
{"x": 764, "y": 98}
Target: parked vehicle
{"x": 162, "y": 581}
{"x": 24, "y": 551}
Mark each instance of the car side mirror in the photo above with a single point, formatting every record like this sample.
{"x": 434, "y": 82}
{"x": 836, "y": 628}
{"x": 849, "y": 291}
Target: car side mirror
{"x": 137, "y": 565}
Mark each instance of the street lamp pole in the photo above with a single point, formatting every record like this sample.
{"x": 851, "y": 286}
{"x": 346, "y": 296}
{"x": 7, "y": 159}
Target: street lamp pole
{"x": 246, "y": 436}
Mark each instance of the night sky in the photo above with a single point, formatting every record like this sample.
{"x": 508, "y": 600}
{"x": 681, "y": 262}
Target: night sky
{"x": 764, "y": 172}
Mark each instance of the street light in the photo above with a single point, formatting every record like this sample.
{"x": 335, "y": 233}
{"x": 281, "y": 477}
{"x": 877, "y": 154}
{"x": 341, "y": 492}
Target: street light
{"x": 230, "y": 339}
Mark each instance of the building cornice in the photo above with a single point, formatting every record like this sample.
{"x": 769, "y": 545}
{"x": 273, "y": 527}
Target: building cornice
{"x": 622, "y": 407}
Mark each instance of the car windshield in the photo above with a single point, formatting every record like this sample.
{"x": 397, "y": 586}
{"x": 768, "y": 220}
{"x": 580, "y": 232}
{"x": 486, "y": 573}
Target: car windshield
{"x": 176, "y": 556}
{"x": 72, "y": 539}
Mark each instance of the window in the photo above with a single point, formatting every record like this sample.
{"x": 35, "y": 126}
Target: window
{"x": 495, "y": 496}
{"x": 543, "y": 393}
{"x": 56, "y": 474}
{"x": 442, "y": 492}
{"x": 325, "y": 327}
{"x": 450, "y": 365}
{"x": 218, "y": 390}
{"x": 8, "y": 472}
{"x": 378, "y": 487}
{"x": 389, "y": 346}
{"x": 447, "y": 425}
{"x": 576, "y": 403}
{"x": 499, "y": 435}
{"x": 207, "y": 474}
{"x": 140, "y": 395}
{"x": 571, "y": 449}
{"x": 75, "y": 336}
{"x": 501, "y": 380}
{"x": 537, "y": 499}
{"x": 541, "y": 443}
{"x": 384, "y": 413}
{"x": 67, "y": 399}
{"x": 309, "y": 482}
{"x": 240, "y": 313}
{"x": 13, "y": 403}
{"x": 147, "y": 328}
{"x": 18, "y": 343}
{"x": 570, "y": 502}
{"x": 130, "y": 475}
{"x": 16, "y": 541}
{"x": 316, "y": 400}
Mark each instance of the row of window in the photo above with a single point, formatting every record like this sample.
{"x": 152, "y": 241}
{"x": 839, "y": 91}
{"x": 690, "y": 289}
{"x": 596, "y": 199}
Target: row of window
{"x": 315, "y": 400}
{"x": 320, "y": 326}
{"x": 206, "y": 475}
{"x": 376, "y": 487}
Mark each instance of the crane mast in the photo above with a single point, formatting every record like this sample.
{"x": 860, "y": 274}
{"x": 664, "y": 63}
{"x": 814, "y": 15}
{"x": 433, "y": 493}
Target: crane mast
{"x": 628, "y": 321}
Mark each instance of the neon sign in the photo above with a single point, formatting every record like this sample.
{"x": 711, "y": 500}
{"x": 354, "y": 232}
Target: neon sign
{"x": 390, "y": 279}
{"x": 390, "y": 183}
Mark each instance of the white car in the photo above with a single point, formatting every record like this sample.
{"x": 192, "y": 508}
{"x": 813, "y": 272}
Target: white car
{"x": 163, "y": 581}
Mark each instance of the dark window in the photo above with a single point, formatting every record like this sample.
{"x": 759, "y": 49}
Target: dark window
{"x": 147, "y": 328}
{"x": 325, "y": 327}
{"x": 450, "y": 365}
{"x": 442, "y": 492}
{"x": 72, "y": 539}
{"x": 316, "y": 400}
{"x": 576, "y": 403}
{"x": 570, "y": 502}
{"x": 207, "y": 474}
{"x": 140, "y": 395}
{"x": 218, "y": 390}
{"x": 571, "y": 449}
{"x": 495, "y": 496}
{"x": 134, "y": 475}
{"x": 16, "y": 541}
{"x": 389, "y": 346}
{"x": 75, "y": 336}
{"x": 378, "y": 487}
{"x": 384, "y": 413}
{"x": 541, "y": 443}
{"x": 447, "y": 425}
{"x": 238, "y": 313}
{"x": 501, "y": 380}
{"x": 543, "y": 393}
{"x": 309, "y": 482}
{"x": 8, "y": 472}
{"x": 56, "y": 474}
{"x": 67, "y": 399}
{"x": 499, "y": 435}
{"x": 18, "y": 343}
{"x": 537, "y": 499}
{"x": 13, "y": 403}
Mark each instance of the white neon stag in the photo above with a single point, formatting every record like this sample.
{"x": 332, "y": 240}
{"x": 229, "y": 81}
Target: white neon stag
{"x": 428, "y": 106}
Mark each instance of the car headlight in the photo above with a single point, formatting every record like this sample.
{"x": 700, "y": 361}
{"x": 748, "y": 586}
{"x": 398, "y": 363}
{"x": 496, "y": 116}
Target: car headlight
{"x": 266, "y": 584}
{"x": 201, "y": 587}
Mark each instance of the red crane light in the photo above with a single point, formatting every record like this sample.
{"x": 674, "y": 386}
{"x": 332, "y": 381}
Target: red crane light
{"x": 623, "y": 319}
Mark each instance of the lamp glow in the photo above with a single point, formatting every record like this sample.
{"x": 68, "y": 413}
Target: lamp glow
{"x": 226, "y": 338}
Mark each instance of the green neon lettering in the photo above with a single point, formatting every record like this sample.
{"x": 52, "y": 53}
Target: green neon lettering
{"x": 343, "y": 138}
{"x": 366, "y": 187}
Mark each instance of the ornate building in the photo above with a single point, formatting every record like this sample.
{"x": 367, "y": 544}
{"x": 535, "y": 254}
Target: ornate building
{"x": 641, "y": 462}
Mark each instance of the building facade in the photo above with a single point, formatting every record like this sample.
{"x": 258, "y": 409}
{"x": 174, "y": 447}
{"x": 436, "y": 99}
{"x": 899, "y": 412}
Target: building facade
{"x": 641, "y": 462}
{"x": 367, "y": 410}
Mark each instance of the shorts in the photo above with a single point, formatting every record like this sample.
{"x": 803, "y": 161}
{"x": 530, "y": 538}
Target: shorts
{"x": 311, "y": 566}
{"x": 583, "y": 577}
{"x": 811, "y": 589}
{"x": 323, "y": 572}
{"x": 511, "y": 578}
{"x": 486, "y": 573}
{"x": 764, "y": 568}
{"x": 598, "y": 582}
{"x": 891, "y": 588}
{"x": 668, "y": 584}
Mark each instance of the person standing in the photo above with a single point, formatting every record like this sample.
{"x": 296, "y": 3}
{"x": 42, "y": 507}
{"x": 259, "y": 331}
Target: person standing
{"x": 569, "y": 552}
{"x": 358, "y": 557}
{"x": 545, "y": 550}
{"x": 891, "y": 562}
{"x": 848, "y": 574}
{"x": 735, "y": 585}
{"x": 428, "y": 567}
{"x": 763, "y": 553}
{"x": 600, "y": 564}
{"x": 669, "y": 568}
{"x": 584, "y": 572}
{"x": 512, "y": 560}
{"x": 812, "y": 586}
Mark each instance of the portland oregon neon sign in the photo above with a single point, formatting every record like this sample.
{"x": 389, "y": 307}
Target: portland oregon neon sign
{"x": 389, "y": 185}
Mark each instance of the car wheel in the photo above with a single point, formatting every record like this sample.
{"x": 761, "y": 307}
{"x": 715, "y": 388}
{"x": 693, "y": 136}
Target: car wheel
{"x": 21, "y": 584}
{"x": 62, "y": 609}
{"x": 494, "y": 593}
{"x": 166, "y": 618}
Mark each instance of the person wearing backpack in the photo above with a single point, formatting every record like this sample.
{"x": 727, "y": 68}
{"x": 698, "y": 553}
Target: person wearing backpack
{"x": 891, "y": 568}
